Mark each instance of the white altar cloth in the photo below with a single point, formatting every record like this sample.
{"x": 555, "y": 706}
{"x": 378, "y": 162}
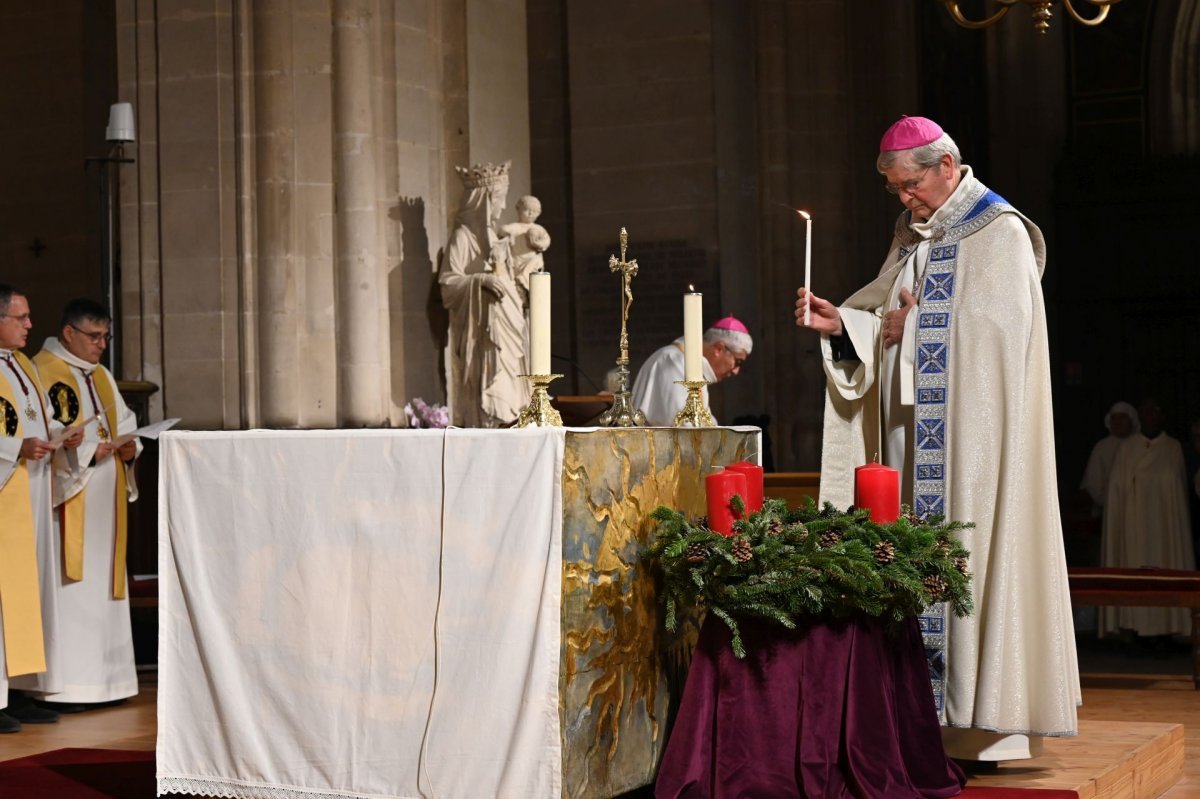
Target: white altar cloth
{"x": 360, "y": 613}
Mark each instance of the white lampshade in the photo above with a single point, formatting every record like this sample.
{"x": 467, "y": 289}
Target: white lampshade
{"x": 120, "y": 123}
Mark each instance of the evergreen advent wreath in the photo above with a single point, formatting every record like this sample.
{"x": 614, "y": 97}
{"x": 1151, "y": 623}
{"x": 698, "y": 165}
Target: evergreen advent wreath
{"x": 787, "y": 565}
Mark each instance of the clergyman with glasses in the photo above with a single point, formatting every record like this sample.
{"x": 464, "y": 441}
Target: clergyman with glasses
{"x": 941, "y": 366}
{"x": 91, "y": 502}
{"x": 656, "y": 390}
{"x": 30, "y": 653}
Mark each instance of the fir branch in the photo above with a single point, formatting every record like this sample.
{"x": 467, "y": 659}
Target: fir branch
{"x": 809, "y": 563}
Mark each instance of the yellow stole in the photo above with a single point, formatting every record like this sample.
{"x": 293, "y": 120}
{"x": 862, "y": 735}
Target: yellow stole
{"x": 21, "y": 604}
{"x": 55, "y": 370}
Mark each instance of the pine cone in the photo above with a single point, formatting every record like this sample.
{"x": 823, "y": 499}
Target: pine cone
{"x": 702, "y": 522}
{"x": 741, "y": 549}
{"x": 961, "y": 564}
{"x": 831, "y": 538}
{"x": 913, "y": 519}
{"x": 944, "y": 547}
{"x": 936, "y": 586}
{"x": 885, "y": 552}
{"x": 697, "y": 553}
{"x": 774, "y": 527}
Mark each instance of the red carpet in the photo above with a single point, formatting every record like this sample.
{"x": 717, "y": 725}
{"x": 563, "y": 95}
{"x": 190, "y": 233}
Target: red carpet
{"x": 122, "y": 774}
{"x": 1017, "y": 793}
{"x": 79, "y": 774}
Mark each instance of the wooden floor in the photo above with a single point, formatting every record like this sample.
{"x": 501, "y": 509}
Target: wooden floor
{"x": 1115, "y": 712}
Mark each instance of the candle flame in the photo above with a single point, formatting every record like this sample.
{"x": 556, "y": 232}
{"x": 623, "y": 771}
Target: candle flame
{"x": 691, "y": 288}
{"x": 804, "y": 214}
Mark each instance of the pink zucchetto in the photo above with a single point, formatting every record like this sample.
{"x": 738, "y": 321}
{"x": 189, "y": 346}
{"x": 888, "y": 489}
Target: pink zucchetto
{"x": 909, "y": 132}
{"x": 731, "y": 331}
{"x": 730, "y": 323}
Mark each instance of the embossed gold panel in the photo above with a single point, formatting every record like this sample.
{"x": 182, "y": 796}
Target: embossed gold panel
{"x": 621, "y": 672}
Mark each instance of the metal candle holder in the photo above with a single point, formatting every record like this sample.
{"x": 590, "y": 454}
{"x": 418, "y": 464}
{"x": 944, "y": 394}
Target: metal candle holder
{"x": 694, "y": 412}
{"x": 539, "y": 412}
{"x": 622, "y": 413}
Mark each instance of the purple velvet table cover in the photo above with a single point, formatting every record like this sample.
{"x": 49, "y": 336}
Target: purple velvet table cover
{"x": 834, "y": 710}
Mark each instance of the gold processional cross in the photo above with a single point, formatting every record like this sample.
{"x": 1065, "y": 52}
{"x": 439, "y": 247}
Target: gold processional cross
{"x": 622, "y": 413}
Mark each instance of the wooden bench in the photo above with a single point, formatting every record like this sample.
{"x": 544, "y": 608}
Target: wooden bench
{"x": 1154, "y": 588}
{"x": 791, "y": 486}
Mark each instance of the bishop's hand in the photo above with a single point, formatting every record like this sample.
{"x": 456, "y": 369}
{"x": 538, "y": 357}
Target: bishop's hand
{"x": 825, "y": 317}
{"x": 893, "y": 321}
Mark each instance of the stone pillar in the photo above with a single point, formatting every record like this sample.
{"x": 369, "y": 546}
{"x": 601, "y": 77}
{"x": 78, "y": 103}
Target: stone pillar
{"x": 274, "y": 152}
{"x": 293, "y": 181}
{"x": 359, "y": 347}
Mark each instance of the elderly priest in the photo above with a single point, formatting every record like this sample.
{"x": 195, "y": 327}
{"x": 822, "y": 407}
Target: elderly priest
{"x": 727, "y": 344}
{"x": 941, "y": 365}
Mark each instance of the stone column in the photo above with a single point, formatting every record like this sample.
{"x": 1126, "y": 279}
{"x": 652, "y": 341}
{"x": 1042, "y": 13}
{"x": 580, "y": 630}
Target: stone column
{"x": 360, "y": 358}
{"x": 278, "y": 272}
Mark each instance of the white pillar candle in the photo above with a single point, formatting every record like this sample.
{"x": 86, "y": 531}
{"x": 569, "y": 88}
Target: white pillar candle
{"x": 539, "y": 323}
{"x": 807, "y": 265}
{"x": 693, "y": 336}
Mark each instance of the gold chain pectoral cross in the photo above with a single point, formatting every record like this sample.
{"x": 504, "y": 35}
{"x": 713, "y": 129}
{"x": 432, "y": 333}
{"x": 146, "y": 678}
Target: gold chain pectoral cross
{"x": 622, "y": 413}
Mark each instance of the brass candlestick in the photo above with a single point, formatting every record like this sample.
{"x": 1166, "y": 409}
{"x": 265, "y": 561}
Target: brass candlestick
{"x": 539, "y": 412}
{"x": 694, "y": 412}
{"x": 622, "y": 413}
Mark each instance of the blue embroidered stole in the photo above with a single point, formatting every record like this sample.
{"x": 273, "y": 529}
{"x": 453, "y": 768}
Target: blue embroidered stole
{"x": 932, "y": 384}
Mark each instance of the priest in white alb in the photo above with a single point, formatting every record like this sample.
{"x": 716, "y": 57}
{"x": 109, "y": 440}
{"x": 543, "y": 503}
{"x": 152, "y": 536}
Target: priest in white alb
{"x": 941, "y": 366}
{"x": 30, "y": 638}
{"x": 91, "y": 500}
{"x": 656, "y": 391}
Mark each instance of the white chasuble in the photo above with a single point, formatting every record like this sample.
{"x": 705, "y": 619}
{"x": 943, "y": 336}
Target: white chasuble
{"x": 22, "y": 386}
{"x": 655, "y": 390}
{"x": 98, "y": 663}
{"x": 979, "y": 449}
{"x": 1146, "y": 523}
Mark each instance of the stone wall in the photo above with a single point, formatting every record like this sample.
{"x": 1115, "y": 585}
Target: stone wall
{"x": 293, "y": 189}
{"x": 57, "y": 61}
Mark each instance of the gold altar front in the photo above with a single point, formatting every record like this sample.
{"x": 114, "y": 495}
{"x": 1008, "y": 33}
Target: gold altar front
{"x": 621, "y": 673}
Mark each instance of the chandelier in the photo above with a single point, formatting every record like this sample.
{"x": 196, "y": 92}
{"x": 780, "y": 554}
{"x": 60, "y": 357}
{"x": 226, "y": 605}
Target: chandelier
{"x": 1041, "y": 13}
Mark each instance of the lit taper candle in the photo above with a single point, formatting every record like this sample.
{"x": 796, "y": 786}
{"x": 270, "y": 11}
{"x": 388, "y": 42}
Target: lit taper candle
{"x": 807, "y": 265}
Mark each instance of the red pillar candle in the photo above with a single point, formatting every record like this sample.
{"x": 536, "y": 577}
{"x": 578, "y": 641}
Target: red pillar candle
{"x": 754, "y": 484}
{"x": 878, "y": 487}
{"x": 719, "y": 488}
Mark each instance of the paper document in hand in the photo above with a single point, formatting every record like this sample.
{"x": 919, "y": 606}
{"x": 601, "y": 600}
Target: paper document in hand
{"x": 58, "y": 440}
{"x": 149, "y": 431}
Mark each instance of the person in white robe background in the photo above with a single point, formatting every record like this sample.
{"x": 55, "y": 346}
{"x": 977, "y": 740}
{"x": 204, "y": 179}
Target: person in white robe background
{"x": 1121, "y": 421}
{"x": 941, "y": 365}
{"x": 91, "y": 519}
{"x": 30, "y": 651}
{"x": 1146, "y": 521}
{"x": 656, "y": 393}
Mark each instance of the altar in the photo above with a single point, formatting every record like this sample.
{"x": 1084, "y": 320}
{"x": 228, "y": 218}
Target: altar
{"x": 419, "y": 613}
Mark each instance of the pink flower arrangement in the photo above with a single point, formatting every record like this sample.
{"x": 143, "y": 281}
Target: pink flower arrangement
{"x": 419, "y": 414}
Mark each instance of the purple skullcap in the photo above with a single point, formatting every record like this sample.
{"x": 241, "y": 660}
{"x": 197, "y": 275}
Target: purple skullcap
{"x": 909, "y": 132}
{"x": 730, "y": 323}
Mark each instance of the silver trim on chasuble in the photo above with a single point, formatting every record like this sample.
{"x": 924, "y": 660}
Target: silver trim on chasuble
{"x": 932, "y": 382}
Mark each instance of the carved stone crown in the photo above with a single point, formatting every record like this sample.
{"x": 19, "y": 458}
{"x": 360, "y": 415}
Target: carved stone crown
{"x": 484, "y": 175}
